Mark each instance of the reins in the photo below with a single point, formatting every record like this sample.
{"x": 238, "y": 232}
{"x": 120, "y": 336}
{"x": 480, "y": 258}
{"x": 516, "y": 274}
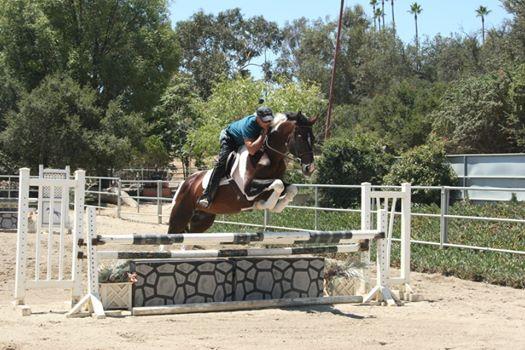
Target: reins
{"x": 286, "y": 155}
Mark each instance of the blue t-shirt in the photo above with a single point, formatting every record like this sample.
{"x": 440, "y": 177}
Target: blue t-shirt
{"x": 244, "y": 129}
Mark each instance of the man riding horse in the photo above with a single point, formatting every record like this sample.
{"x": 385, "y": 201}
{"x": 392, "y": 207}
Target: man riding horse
{"x": 250, "y": 131}
{"x": 264, "y": 142}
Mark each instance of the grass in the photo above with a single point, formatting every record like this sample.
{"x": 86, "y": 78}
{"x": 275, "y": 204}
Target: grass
{"x": 492, "y": 267}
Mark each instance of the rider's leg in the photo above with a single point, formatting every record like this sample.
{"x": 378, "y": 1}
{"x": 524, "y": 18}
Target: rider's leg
{"x": 219, "y": 170}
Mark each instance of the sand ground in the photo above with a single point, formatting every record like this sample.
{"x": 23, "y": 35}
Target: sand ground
{"x": 456, "y": 314}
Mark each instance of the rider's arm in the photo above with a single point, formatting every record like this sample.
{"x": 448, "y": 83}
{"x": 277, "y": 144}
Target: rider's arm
{"x": 255, "y": 145}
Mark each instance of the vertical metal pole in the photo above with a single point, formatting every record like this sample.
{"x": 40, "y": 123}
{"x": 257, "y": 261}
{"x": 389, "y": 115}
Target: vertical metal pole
{"x": 9, "y": 187}
{"x": 406, "y": 218}
{"x": 21, "y": 237}
{"x": 138, "y": 196}
{"x": 465, "y": 176}
{"x": 366, "y": 224}
{"x": 332, "y": 79}
{"x": 119, "y": 198}
{"x": 265, "y": 219}
{"x": 443, "y": 222}
{"x": 316, "y": 212}
{"x": 78, "y": 233}
{"x": 159, "y": 206}
{"x": 99, "y": 190}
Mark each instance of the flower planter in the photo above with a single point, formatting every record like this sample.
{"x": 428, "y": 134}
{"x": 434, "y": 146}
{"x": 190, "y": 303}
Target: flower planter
{"x": 116, "y": 295}
{"x": 342, "y": 285}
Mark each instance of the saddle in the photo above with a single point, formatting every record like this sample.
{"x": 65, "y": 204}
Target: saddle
{"x": 236, "y": 166}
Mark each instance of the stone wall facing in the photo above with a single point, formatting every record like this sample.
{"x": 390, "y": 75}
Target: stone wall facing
{"x": 167, "y": 282}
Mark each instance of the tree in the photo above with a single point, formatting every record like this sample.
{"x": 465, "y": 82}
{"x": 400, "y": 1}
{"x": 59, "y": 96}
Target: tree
{"x": 236, "y": 98}
{"x": 225, "y": 45}
{"x": 373, "y": 3}
{"x": 176, "y": 116}
{"x": 399, "y": 116}
{"x": 350, "y": 161}
{"x": 383, "y": 12}
{"x": 482, "y": 12}
{"x": 59, "y": 123}
{"x": 119, "y": 48}
{"x": 475, "y": 116}
{"x": 393, "y": 17}
{"x": 425, "y": 165}
{"x": 416, "y": 9}
{"x": 377, "y": 15}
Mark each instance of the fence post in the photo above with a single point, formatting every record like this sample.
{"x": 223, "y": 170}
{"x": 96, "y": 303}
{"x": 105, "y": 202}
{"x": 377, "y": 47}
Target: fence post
{"x": 99, "y": 193}
{"x": 366, "y": 224}
{"x": 138, "y": 196}
{"x": 443, "y": 222}
{"x": 159, "y": 206}
{"x": 465, "y": 176}
{"x": 316, "y": 212}
{"x": 266, "y": 218}
{"x": 119, "y": 198}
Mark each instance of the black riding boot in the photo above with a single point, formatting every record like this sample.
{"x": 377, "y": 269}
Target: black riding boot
{"x": 210, "y": 190}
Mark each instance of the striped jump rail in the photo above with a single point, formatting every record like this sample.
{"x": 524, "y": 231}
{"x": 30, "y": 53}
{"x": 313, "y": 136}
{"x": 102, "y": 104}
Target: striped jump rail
{"x": 315, "y": 237}
{"x": 230, "y": 253}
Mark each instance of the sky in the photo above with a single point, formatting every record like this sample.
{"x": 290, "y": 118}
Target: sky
{"x": 438, "y": 16}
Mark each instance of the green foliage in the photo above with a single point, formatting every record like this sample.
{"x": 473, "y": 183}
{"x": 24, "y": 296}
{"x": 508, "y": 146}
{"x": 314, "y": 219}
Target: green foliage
{"x": 10, "y": 92}
{"x": 473, "y": 116}
{"x": 118, "y": 48}
{"x": 176, "y": 116}
{"x": 516, "y": 117}
{"x": 496, "y": 268}
{"x": 155, "y": 155}
{"x": 214, "y": 47}
{"x": 114, "y": 273}
{"x": 424, "y": 165}
{"x": 399, "y": 117}
{"x": 351, "y": 161}
{"x": 234, "y": 99}
{"x": 59, "y": 124}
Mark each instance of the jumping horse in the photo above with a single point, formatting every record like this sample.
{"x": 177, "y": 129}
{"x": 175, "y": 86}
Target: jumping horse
{"x": 256, "y": 181}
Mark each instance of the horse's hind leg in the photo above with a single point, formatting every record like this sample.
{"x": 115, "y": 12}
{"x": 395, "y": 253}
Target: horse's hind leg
{"x": 182, "y": 210}
{"x": 201, "y": 221}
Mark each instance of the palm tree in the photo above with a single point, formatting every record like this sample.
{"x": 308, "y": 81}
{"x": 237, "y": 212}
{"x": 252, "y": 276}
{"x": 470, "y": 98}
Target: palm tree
{"x": 416, "y": 9}
{"x": 378, "y": 15}
{"x": 482, "y": 11}
{"x": 383, "y": 12}
{"x": 393, "y": 17}
{"x": 374, "y": 4}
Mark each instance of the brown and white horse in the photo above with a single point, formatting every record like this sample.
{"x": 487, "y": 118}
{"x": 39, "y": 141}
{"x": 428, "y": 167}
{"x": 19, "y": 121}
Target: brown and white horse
{"x": 262, "y": 175}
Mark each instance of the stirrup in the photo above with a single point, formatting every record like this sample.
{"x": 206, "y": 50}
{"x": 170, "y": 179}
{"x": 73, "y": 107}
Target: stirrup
{"x": 204, "y": 202}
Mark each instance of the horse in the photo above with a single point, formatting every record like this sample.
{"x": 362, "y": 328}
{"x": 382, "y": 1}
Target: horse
{"x": 262, "y": 176}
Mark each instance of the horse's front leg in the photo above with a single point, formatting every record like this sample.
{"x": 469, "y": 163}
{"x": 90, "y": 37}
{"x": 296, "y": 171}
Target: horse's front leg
{"x": 277, "y": 187}
{"x": 291, "y": 191}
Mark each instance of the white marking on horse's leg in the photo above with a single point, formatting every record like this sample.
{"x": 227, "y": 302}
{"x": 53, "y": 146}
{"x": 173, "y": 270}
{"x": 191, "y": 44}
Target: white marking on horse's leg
{"x": 277, "y": 187}
{"x": 291, "y": 192}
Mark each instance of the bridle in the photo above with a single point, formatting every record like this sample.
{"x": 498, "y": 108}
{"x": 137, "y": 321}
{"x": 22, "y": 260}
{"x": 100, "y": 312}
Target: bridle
{"x": 286, "y": 155}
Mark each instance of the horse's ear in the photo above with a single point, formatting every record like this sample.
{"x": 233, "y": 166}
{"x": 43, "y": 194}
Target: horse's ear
{"x": 312, "y": 120}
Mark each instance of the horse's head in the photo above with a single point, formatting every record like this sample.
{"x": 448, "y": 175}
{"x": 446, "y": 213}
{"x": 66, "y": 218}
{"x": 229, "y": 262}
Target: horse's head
{"x": 295, "y": 129}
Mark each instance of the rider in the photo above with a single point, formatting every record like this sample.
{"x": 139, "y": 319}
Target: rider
{"x": 250, "y": 131}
